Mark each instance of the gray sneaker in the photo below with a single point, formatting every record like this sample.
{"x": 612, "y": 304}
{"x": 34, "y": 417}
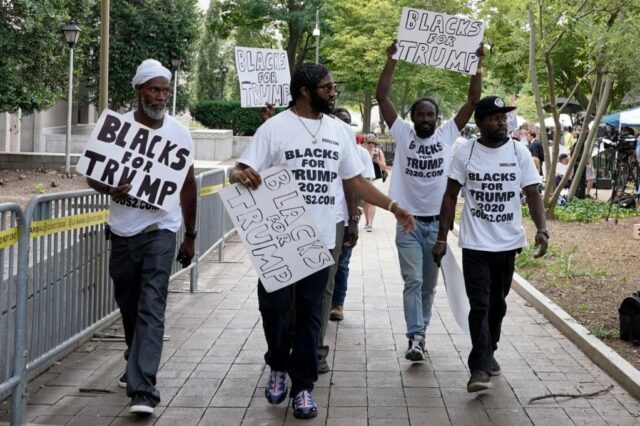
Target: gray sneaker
{"x": 495, "y": 367}
{"x": 479, "y": 381}
{"x": 415, "y": 352}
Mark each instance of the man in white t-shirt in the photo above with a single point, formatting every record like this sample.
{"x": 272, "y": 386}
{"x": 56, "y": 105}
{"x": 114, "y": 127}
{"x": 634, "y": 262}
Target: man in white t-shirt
{"x": 143, "y": 241}
{"x": 322, "y": 156}
{"x": 420, "y": 166}
{"x": 493, "y": 170}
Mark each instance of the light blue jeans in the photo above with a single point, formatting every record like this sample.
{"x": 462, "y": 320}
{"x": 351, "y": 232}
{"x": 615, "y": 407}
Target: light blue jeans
{"x": 420, "y": 274}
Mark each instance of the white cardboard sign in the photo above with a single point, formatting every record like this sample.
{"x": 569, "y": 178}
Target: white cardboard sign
{"x": 276, "y": 228}
{"x": 439, "y": 40}
{"x": 264, "y": 76}
{"x": 121, "y": 150}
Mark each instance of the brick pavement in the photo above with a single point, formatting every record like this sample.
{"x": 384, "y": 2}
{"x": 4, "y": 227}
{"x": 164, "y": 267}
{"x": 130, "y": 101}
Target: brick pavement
{"x": 213, "y": 372}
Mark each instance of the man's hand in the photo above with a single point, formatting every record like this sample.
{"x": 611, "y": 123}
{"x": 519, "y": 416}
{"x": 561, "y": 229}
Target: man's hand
{"x": 438, "y": 251}
{"x": 186, "y": 252}
{"x": 120, "y": 191}
{"x": 353, "y": 234}
{"x": 480, "y": 53}
{"x": 542, "y": 243}
{"x": 248, "y": 177}
{"x": 404, "y": 218}
{"x": 266, "y": 112}
{"x": 392, "y": 49}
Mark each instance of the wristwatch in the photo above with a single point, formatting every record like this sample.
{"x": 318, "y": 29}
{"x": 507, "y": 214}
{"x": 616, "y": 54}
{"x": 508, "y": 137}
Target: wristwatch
{"x": 544, "y": 232}
{"x": 355, "y": 218}
{"x": 190, "y": 235}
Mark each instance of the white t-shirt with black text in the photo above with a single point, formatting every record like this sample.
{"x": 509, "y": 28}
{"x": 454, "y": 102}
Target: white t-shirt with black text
{"x": 492, "y": 179}
{"x": 318, "y": 168}
{"x": 130, "y": 216}
{"x": 343, "y": 215}
{"x": 420, "y": 167}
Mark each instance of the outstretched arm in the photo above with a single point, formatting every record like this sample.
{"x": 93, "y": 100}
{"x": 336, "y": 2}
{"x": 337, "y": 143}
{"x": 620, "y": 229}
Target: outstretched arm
{"x": 387, "y": 109}
{"x": 447, "y": 213}
{"x": 473, "y": 96}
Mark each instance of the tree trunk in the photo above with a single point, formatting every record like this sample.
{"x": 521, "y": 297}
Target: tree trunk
{"x": 366, "y": 112}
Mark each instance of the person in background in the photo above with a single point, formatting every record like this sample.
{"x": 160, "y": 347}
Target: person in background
{"x": 379, "y": 165}
{"x": 143, "y": 242}
{"x": 493, "y": 169}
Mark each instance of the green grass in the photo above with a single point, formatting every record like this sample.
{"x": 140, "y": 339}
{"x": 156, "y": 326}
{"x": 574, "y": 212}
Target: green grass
{"x": 602, "y": 332}
{"x": 586, "y": 210}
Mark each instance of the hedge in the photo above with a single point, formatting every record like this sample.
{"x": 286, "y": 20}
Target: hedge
{"x": 220, "y": 114}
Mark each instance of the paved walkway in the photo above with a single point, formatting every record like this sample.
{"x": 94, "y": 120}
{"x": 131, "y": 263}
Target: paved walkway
{"x": 213, "y": 372}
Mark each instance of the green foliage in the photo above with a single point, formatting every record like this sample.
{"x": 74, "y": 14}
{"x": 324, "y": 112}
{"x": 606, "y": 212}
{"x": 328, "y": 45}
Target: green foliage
{"x": 35, "y": 57}
{"x": 143, "y": 29}
{"x": 38, "y": 187}
{"x": 604, "y": 332}
{"x": 586, "y": 210}
{"x": 220, "y": 114}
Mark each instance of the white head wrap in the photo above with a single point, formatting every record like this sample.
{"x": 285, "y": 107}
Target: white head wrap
{"x": 148, "y": 69}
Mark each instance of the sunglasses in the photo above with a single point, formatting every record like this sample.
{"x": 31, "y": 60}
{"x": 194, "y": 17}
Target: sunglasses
{"x": 330, "y": 87}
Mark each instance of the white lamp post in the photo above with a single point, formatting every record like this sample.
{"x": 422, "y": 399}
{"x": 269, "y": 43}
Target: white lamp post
{"x": 316, "y": 34}
{"x": 71, "y": 34}
{"x": 175, "y": 62}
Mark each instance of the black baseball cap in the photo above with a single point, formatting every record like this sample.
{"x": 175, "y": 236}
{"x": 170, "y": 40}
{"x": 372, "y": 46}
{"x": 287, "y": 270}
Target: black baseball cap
{"x": 490, "y": 105}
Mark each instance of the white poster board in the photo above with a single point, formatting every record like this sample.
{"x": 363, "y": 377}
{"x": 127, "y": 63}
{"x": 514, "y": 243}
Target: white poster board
{"x": 264, "y": 77}
{"x": 276, "y": 228}
{"x": 439, "y": 40}
{"x": 456, "y": 292}
{"x": 120, "y": 150}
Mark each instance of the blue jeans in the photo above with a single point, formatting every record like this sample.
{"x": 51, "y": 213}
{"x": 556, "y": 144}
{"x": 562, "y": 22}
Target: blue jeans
{"x": 342, "y": 274}
{"x": 140, "y": 267}
{"x": 420, "y": 274}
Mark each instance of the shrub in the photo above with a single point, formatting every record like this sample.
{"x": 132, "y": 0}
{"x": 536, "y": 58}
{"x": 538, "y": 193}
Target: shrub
{"x": 220, "y": 114}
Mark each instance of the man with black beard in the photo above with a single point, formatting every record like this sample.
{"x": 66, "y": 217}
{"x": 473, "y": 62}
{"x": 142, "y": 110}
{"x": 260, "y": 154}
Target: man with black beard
{"x": 418, "y": 180}
{"x": 322, "y": 156}
{"x": 493, "y": 169}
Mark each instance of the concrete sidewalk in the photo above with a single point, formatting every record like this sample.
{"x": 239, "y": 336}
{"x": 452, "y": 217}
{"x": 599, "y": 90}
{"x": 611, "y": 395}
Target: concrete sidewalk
{"x": 213, "y": 370}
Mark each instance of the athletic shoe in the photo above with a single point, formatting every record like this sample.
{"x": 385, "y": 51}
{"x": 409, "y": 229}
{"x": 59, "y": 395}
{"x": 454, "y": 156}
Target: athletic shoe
{"x": 122, "y": 381}
{"x": 141, "y": 404}
{"x": 323, "y": 366}
{"x": 276, "y": 388}
{"x": 336, "y": 313}
{"x": 304, "y": 407}
{"x": 495, "y": 367}
{"x": 479, "y": 381}
{"x": 415, "y": 352}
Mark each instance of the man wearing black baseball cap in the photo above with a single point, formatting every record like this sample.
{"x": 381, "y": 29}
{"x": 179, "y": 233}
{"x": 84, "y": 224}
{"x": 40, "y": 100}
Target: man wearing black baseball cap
{"x": 493, "y": 169}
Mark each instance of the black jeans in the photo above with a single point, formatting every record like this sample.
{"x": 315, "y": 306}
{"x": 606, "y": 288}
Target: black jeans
{"x": 294, "y": 352}
{"x": 487, "y": 279}
{"x": 140, "y": 267}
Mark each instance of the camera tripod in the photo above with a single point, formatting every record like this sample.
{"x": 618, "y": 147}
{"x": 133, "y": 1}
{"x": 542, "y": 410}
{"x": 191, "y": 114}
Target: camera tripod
{"x": 624, "y": 168}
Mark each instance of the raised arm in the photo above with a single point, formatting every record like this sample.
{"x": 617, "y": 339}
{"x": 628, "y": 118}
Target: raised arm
{"x": 387, "y": 109}
{"x": 473, "y": 96}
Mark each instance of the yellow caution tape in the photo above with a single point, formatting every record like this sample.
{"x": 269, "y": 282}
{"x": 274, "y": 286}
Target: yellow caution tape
{"x": 209, "y": 190}
{"x": 40, "y": 228}
{"x": 8, "y": 237}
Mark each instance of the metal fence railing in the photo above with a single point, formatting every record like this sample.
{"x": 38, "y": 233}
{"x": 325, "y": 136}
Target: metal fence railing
{"x": 56, "y": 288}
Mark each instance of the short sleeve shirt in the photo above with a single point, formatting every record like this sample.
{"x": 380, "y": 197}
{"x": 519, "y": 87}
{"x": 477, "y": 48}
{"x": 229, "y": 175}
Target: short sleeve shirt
{"x": 492, "y": 178}
{"x": 420, "y": 167}
{"x": 318, "y": 168}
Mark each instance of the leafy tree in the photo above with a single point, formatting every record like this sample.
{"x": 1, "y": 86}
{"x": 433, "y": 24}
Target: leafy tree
{"x": 142, "y": 29}
{"x": 35, "y": 56}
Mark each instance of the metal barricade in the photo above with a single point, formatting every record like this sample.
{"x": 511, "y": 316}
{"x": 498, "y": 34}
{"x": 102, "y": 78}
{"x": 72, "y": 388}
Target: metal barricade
{"x": 14, "y": 241}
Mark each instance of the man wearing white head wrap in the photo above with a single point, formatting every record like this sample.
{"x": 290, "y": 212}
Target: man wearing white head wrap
{"x": 143, "y": 241}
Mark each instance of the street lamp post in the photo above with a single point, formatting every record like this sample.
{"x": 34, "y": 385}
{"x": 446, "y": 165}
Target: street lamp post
{"x": 316, "y": 34}
{"x": 175, "y": 61}
{"x": 71, "y": 34}
{"x": 223, "y": 75}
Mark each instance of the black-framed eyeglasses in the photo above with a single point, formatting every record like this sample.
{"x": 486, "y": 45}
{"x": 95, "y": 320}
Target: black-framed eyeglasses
{"x": 329, "y": 87}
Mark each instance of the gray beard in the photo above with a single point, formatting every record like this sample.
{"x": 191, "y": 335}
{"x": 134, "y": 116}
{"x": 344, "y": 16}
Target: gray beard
{"x": 153, "y": 114}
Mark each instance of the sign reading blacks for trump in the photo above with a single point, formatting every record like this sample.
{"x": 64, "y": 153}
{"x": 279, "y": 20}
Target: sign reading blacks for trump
{"x": 439, "y": 40}
{"x": 264, "y": 76}
{"x": 277, "y": 229}
{"x": 120, "y": 150}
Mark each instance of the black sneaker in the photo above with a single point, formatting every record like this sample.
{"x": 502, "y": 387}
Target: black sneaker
{"x": 415, "y": 352}
{"x": 323, "y": 366}
{"x": 304, "y": 406}
{"x": 142, "y": 405}
{"x": 122, "y": 381}
{"x": 495, "y": 367}
{"x": 479, "y": 381}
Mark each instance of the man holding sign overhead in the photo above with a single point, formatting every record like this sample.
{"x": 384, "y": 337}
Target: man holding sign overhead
{"x": 321, "y": 154}
{"x": 143, "y": 235}
{"x": 419, "y": 178}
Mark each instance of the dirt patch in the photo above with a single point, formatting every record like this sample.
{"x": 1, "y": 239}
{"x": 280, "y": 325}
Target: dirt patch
{"x": 19, "y": 186}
